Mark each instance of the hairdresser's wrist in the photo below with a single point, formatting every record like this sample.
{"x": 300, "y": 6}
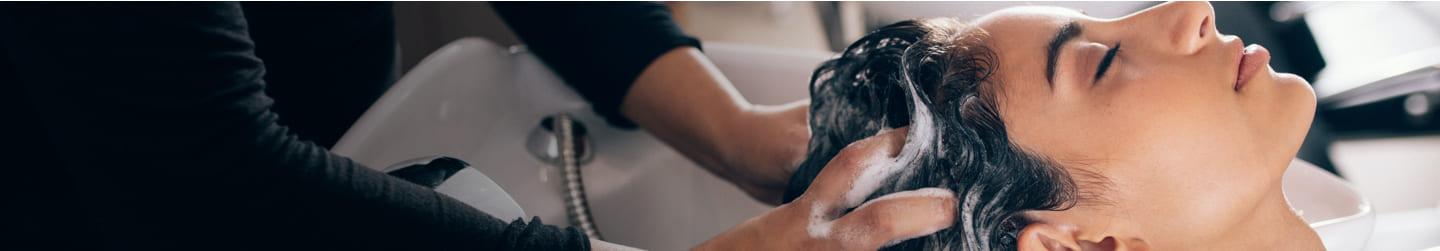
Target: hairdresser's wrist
{"x": 754, "y": 234}
{"x": 763, "y": 145}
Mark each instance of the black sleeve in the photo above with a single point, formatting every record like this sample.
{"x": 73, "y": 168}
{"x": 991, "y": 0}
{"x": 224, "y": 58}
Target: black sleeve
{"x": 158, "y": 111}
{"x": 599, "y": 49}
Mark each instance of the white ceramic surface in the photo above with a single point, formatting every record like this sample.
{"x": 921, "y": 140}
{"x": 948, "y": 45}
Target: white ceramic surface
{"x": 1343, "y": 219}
{"x": 477, "y": 101}
{"x": 1417, "y": 229}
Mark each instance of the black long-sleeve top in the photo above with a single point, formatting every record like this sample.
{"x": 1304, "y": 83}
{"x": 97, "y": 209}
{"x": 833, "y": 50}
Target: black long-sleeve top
{"x": 147, "y": 126}
{"x": 598, "y": 48}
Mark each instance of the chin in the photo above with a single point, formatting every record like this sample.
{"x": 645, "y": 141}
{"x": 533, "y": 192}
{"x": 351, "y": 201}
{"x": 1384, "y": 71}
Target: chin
{"x": 1300, "y": 89}
{"x": 1291, "y": 79}
{"x": 1299, "y": 105}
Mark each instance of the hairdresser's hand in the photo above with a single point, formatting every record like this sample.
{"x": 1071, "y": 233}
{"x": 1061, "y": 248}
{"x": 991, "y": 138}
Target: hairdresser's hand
{"x": 816, "y": 220}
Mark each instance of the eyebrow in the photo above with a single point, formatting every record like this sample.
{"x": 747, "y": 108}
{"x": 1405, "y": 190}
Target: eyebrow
{"x": 1067, "y": 32}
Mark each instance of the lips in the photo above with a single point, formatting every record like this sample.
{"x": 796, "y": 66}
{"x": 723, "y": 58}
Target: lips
{"x": 1252, "y": 58}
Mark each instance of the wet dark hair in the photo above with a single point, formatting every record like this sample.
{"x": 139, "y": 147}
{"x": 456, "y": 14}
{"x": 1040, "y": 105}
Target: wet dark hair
{"x": 946, "y": 63}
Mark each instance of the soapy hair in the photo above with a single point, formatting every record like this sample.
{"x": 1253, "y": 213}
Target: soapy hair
{"x": 936, "y": 71}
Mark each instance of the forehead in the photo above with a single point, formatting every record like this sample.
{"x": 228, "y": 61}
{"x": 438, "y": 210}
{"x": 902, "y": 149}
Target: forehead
{"x": 1019, "y": 36}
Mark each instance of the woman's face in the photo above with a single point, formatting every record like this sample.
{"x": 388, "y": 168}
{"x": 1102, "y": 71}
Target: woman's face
{"x": 1189, "y": 151}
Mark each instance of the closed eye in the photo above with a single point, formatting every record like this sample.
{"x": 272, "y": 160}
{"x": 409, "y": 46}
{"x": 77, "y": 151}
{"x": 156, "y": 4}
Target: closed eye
{"x": 1105, "y": 62}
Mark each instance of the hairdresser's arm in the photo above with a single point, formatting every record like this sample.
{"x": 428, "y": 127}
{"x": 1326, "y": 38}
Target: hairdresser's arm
{"x": 634, "y": 65}
{"x": 817, "y": 220}
{"x": 685, "y": 101}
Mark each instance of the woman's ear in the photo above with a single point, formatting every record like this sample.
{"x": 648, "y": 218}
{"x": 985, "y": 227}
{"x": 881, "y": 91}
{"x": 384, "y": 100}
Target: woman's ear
{"x": 1040, "y": 236}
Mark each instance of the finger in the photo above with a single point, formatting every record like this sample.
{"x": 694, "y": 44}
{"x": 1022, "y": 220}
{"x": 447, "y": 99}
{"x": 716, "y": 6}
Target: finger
{"x": 840, "y": 175}
{"x": 898, "y": 217}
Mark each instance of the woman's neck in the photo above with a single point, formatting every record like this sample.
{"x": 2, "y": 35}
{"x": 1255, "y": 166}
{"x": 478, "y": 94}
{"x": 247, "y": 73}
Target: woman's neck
{"x": 1275, "y": 226}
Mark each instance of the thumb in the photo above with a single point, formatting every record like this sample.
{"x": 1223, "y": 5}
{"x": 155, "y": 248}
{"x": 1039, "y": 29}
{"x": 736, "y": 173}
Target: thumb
{"x": 851, "y": 166}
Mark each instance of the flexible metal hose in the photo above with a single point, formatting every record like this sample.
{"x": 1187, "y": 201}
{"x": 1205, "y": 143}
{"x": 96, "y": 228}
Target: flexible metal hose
{"x": 576, "y": 204}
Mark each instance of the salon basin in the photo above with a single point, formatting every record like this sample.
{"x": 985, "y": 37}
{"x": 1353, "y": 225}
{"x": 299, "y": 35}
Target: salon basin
{"x": 1343, "y": 219}
{"x": 477, "y": 101}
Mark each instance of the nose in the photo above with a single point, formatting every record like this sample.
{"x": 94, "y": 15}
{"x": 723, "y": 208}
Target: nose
{"x": 1188, "y": 26}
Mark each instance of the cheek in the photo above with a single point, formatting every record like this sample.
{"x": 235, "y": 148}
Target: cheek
{"x": 1146, "y": 118}
{"x": 1190, "y": 151}
{"x": 1169, "y": 117}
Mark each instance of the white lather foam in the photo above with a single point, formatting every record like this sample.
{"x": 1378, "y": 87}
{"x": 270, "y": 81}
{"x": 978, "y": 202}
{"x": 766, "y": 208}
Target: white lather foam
{"x": 921, "y": 137}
